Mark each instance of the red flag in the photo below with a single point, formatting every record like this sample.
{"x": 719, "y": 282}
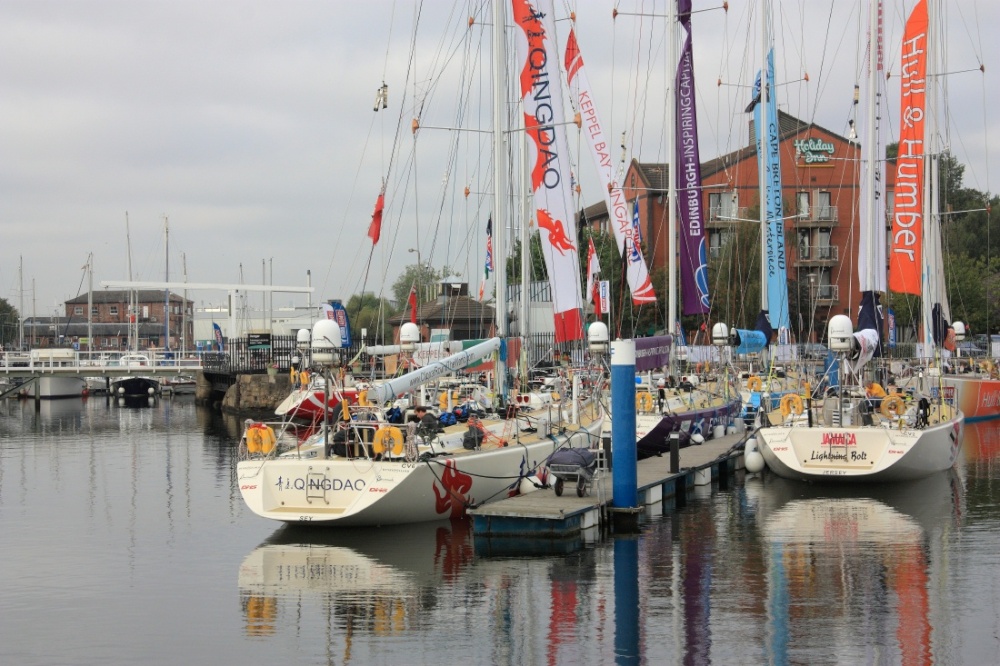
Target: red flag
{"x": 412, "y": 300}
{"x": 375, "y": 228}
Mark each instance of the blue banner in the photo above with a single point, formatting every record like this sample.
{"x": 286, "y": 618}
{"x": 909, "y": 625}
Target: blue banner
{"x": 340, "y": 316}
{"x": 768, "y": 159}
{"x": 218, "y": 336}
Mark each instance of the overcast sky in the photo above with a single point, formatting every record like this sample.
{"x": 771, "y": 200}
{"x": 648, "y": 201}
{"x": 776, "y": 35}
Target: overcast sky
{"x": 249, "y": 126}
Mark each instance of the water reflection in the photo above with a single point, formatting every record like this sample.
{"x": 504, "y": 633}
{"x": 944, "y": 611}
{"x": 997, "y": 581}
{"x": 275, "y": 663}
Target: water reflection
{"x": 377, "y": 581}
{"x": 863, "y": 563}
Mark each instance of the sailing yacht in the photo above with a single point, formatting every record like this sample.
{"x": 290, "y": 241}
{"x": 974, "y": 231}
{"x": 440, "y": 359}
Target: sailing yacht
{"x": 363, "y": 470}
{"x": 846, "y": 439}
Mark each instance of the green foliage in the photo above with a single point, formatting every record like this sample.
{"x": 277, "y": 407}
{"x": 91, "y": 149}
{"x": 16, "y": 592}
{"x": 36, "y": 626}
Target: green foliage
{"x": 537, "y": 271}
{"x": 425, "y": 278}
{"x": 369, "y": 311}
{"x": 9, "y": 324}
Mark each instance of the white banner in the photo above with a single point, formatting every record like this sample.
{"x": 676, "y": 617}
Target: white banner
{"x": 541, "y": 98}
{"x": 614, "y": 198}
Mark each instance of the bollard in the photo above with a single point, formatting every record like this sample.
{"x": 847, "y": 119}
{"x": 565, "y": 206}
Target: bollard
{"x": 675, "y": 452}
{"x": 625, "y": 494}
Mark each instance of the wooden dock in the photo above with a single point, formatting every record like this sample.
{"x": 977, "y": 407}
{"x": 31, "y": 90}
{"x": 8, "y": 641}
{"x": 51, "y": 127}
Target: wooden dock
{"x": 543, "y": 514}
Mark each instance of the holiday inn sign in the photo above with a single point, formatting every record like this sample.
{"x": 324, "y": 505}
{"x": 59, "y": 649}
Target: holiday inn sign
{"x": 813, "y": 151}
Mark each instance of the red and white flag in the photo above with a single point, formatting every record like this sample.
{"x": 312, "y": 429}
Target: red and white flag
{"x": 549, "y": 159}
{"x": 636, "y": 272}
{"x": 593, "y": 268}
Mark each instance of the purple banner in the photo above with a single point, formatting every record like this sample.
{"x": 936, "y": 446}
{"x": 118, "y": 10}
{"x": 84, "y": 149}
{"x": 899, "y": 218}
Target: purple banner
{"x": 652, "y": 353}
{"x": 691, "y": 231}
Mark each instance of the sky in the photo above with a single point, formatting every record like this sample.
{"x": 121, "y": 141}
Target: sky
{"x": 247, "y": 129}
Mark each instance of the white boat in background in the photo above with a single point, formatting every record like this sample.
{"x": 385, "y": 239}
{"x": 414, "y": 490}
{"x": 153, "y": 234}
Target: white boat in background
{"x": 52, "y": 386}
{"x": 179, "y": 385}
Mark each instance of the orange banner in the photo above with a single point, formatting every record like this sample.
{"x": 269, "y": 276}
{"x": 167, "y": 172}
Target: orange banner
{"x": 908, "y": 214}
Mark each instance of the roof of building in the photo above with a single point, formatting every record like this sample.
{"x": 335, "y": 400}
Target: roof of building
{"x": 122, "y": 296}
{"x": 456, "y": 309}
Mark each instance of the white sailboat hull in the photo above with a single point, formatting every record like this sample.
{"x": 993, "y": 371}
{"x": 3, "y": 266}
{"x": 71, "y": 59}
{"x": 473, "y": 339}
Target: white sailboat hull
{"x": 865, "y": 453}
{"x": 367, "y": 492}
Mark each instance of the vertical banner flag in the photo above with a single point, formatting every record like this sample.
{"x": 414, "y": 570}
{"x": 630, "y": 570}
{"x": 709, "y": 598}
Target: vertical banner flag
{"x": 907, "y": 214}
{"x": 687, "y": 177}
{"x": 338, "y": 313}
{"x": 541, "y": 99}
{"x": 614, "y": 197}
{"x": 489, "y": 246}
{"x": 375, "y": 228}
{"x": 768, "y": 160}
{"x": 218, "y": 336}
{"x": 593, "y": 268}
{"x": 603, "y": 305}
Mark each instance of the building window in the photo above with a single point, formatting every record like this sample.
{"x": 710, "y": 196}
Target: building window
{"x": 804, "y": 244}
{"x": 113, "y": 310}
{"x": 722, "y": 205}
{"x": 823, "y": 205}
{"x": 802, "y": 204}
{"x": 78, "y": 310}
{"x": 94, "y": 312}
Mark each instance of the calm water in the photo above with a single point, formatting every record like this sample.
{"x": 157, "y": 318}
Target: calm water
{"x": 124, "y": 541}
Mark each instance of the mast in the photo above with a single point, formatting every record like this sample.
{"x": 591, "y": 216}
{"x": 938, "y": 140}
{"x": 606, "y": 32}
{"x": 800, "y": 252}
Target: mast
{"x": 929, "y": 289}
{"x": 500, "y": 185}
{"x": 761, "y": 147}
{"x": 90, "y": 302}
{"x": 671, "y": 181}
{"x": 166, "y": 278}
{"x": 20, "y": 311}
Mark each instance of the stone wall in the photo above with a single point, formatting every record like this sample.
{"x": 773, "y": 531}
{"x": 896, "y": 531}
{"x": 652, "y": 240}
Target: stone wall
{"x": 253, "y": 393}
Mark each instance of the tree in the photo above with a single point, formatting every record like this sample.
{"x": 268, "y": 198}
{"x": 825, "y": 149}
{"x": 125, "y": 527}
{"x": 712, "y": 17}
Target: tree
{"x": 10, "y": 320}
{"x": 538, "y": 271}
{"x": 371, "y": 312}
{"x": 425, "y": 278}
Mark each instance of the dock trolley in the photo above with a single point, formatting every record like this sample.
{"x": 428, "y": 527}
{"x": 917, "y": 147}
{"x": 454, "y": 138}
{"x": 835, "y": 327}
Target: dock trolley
{"x": 575, "y": 466}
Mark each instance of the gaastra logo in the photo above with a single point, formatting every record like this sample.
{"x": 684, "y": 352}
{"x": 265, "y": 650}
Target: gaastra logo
{"x": 813, "y": 151}
{"x": 840, "y": 439}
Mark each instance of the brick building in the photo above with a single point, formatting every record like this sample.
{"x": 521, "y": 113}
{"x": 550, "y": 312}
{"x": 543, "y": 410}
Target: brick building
{"x": 110, "y": 321}
{"x": 821, "y": 185}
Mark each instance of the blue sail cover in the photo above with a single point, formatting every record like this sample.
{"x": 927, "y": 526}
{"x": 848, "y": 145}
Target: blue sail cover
{"x": 870, "y": 316}
{"x": 745, "y": 341}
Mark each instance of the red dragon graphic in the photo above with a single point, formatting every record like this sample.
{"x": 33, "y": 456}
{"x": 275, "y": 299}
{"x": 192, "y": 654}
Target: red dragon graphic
{"x": 453, "y": 495}
{"x": 557, "y": 234}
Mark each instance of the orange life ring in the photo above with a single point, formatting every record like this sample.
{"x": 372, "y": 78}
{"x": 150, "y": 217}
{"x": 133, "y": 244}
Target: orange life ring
{"x": 791, "y": 402}
{"x": 893, "y": 406}
{"x": 754, "y": 383}
{"x": 644, "y": 402}
{"x": 388, "y": 439}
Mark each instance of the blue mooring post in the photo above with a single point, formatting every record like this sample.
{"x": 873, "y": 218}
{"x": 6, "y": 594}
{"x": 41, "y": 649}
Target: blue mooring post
{"x": 625, "y": 494}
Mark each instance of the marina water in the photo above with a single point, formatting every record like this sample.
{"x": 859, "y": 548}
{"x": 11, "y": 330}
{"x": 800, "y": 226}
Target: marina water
{"x": 125, "y": 541}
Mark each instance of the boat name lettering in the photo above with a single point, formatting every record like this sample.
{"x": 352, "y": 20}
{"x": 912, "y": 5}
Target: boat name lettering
{"x": 991, "y": 399}
{"x": 846, "y": 456}
{"x": 410, "y": 465}
{"x": 324, "y": 483}
{"x": 840, "y": 439}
